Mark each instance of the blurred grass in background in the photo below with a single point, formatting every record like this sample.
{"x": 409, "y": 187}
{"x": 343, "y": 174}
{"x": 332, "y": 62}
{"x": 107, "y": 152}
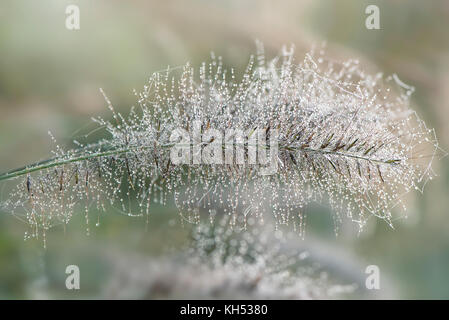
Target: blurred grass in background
{"x": 50, "y": 79}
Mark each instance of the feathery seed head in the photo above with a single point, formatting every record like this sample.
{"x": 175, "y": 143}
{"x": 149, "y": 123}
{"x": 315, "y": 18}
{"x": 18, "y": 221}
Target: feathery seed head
{"x": 343, "y": 137}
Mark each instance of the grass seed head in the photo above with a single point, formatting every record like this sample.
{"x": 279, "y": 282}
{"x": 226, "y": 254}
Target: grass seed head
{"x": 346, "y": 138}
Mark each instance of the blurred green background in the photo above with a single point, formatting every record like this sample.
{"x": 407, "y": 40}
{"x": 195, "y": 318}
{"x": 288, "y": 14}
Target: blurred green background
{"x": 50, "y": 79}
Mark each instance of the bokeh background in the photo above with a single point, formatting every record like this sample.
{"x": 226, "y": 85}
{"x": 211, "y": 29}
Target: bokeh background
{"x": 50, "y": 79}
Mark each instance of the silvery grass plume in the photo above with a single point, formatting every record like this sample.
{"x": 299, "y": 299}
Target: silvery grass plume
{"x": 345, "y": 138}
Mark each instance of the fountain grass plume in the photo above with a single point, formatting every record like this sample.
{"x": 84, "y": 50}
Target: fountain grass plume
{"x": 346, "y": 138}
